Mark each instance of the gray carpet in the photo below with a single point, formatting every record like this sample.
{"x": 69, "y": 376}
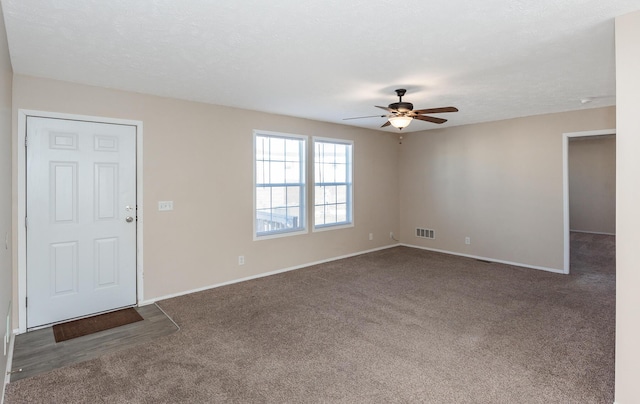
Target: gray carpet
{"x": 398, "y": 325}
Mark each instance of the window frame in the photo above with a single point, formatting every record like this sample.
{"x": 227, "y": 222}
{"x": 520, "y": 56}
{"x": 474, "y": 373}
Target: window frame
{"x": 349, "y": 184}
{"x": 303, "y": 183}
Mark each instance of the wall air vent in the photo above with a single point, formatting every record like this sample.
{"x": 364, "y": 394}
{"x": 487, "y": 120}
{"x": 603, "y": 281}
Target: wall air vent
{"x": 425, "y": 233}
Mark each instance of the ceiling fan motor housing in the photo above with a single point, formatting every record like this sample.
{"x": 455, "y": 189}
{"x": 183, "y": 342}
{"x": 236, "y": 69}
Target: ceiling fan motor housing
{"x": 401, "y": 106}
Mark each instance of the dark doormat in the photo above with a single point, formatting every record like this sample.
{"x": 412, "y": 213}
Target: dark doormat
{"x": 90, "y": 325}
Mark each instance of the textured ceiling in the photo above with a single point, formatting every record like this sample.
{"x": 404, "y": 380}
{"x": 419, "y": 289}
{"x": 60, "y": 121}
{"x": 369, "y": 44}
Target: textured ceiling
{"x": 331, "y": 59}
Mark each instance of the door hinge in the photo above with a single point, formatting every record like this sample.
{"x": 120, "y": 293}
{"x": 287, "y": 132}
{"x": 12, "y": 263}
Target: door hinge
{"x": 26, "y": 302}
{"x": 25, "y": 222}
{"x": 26, "y": 141}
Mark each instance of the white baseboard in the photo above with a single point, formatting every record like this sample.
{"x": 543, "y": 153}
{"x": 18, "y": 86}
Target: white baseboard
{"x": 262, "y": 275}
{"x": 518, "y": 264}
{"x": 592, "y": 232}
{"x": 279, "y": 271}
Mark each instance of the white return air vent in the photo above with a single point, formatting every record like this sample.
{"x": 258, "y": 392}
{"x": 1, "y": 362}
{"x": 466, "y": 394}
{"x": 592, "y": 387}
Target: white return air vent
{"x": 425, "y": 233}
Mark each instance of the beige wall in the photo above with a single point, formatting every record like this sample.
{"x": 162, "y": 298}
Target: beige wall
{"x": 6, "y": 75}
{"x": 499, "y": 183}
{"x": 592, "y": 184}
{"x": 628, "y": 218}
{"x": 193, "y": 157}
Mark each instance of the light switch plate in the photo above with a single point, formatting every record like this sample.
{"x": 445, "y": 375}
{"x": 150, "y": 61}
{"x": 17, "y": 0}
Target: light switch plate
{"x": 165, "y": 205}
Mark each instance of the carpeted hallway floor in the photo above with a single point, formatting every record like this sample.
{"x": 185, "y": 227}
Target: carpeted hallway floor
{"x": 398, "y": 325}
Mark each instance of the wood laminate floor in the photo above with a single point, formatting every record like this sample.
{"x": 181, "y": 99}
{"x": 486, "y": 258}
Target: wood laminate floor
{"x": 37, "y": 351}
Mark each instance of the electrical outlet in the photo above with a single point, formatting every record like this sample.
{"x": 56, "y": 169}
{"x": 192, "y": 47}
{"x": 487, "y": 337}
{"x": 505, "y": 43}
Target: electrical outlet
{"x": 240, "y": 259}
{"x": 467, "y": 240}
{"x": 370, "y": 236}
{"x": 391, "y": 235}
{"x": 165, "y": 205}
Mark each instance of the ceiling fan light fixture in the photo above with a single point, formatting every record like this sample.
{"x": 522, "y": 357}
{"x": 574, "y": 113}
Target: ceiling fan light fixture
{"x": 400, "y": 114}
{"x": 400, "y": 122}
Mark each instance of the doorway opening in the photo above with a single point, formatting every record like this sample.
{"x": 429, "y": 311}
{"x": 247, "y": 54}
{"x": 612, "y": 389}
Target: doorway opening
{"x": 593, "y": 207}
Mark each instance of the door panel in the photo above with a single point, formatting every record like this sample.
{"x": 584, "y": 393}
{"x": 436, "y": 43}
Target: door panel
{"x": 105, "y": 186}
{"x": 81, "y": 251}
{"x": 106, "y": 261}
{"x": 64, "y": 268}
{"x": 63, "y": 186}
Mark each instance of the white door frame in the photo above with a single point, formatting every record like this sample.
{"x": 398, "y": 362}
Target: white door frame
{"x": 565, "y": 186}
{"x": 22, "y": 201}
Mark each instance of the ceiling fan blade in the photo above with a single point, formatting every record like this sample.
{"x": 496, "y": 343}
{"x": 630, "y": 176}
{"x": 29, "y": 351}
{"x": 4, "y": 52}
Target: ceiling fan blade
{"x": 361, "y": 117}
{"x": 386, "y": 124}
{"x": 430, "y": 119}
{"x": 436, "y": 110}
{"x": 386, "y": 108}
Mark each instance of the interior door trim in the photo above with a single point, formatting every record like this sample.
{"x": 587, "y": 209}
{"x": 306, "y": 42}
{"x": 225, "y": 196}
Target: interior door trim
{"x": 565, "y": 188}
{"x": 22, "y": 202}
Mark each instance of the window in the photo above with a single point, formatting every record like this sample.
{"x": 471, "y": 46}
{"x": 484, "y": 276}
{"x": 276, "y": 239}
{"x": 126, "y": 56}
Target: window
{"x": 280, "y": 184}
{"x": 333, "y": 183}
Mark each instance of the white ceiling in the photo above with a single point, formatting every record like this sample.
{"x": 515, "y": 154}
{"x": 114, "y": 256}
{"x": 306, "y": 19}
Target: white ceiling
{"x": 331, "y": 59}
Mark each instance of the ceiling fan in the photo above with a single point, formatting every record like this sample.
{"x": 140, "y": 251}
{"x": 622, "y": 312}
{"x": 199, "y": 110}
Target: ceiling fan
{"x": 401, "y": 113}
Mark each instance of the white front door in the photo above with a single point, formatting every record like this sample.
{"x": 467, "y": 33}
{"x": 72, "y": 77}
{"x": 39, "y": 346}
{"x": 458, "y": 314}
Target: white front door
{"x": 81, "y": 218}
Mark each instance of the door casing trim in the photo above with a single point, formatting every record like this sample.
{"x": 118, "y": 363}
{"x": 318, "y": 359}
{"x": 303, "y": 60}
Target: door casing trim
{"x": 22, "y": 201}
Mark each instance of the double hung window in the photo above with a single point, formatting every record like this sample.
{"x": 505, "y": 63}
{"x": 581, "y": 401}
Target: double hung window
{"x": 280, "y": 184}
{"x": 333, "y": 183}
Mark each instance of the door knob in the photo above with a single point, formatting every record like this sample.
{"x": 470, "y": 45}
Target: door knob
{"x": 129, "y": 219}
